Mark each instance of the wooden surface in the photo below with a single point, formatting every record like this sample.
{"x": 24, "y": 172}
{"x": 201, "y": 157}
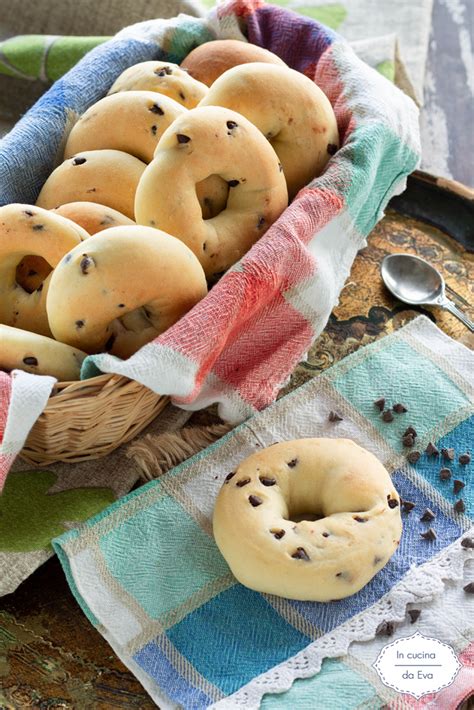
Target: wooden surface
{"x": 50, "y": 655}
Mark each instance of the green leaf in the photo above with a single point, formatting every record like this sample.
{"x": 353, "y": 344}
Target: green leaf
{"x": 30, "y": 518}
{"x": 387, "y": 69}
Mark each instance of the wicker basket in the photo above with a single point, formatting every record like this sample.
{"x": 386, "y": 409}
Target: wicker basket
{"x": 88, "y": 419}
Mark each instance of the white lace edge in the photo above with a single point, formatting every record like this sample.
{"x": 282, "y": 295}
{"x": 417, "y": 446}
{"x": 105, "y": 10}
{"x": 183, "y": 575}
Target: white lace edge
{"x": 420, "y": 585}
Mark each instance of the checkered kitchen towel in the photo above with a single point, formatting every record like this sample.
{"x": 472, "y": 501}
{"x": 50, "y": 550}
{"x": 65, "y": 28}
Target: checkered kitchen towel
{"x": 241, "y": 342}
{"x": 150, "y": 578}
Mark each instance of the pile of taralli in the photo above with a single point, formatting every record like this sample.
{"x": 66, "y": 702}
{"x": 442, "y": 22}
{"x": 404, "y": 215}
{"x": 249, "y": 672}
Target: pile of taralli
{"x": 166, "y": 183}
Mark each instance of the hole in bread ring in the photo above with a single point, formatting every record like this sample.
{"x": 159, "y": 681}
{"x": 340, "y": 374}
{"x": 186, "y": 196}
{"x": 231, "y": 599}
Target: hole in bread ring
{"x": 32, "y": 242}
{"x": 320, "y": 532}
{"x": 240, "y": 157}
{"x": 122, "y": 288}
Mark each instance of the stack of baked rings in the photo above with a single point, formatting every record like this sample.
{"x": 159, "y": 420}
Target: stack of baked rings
{"x": 166, "y": 183}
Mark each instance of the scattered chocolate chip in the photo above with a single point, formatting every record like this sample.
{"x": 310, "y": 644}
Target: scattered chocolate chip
{"x": 414, "y": 615}
{"x": 413, "y": 456}
{"x": 121, "y": 305}
{"x": 377, "y": 560}
{"x": 38, "y": 227}
{"x": 28, "y": 213}
{"x": 229, "y": 476}
{"x": 358, "y": 519}
{"x": 427, "y": 516}
{"x": 332, "y": 148}
{"x": 300, "y": 554}
{"x": 255, "y": 501}
{"x": 182, "y": 138}
{"x": 458, "y": 485}
{"x": 78, "y": 161}
{"x": 92, "y": 189}
{"x": 325, "y": 534}
{"x": 408, "y": 506}
{"x": 243, "y": 482}
{"x": 408, "y": 441}
{"x": 30, "y": 361}
{"x": 154, "y": 130}
{"x": 80, "y": 323}
{"x": 233, "y": 183}
{"x": 469, "y": 588}
{"x": 164, "y": 71}
{"x": 292, "y": 463}
{"x": 445, "y": 474}
{"x": 231, "y": 125}
{"x": 32, "y": 272}
{"x": 261, "y": 222}
{"x": 278, "y": 534}
{"x": 431, "y": 450}
{"x": 468, "y": 543}
{"x": 86, "y": 262}
{"x": 387, "y": 416}
{"x": 280, "y": 167}
{"x": 182, "y": 96}
{"x": 157, "y": 109}
{"x": 393, "y": 503}
{"x": 380, "y": 403}
{"x": 385, "y": 628}
{"x": 267, "y": 481}
{"x": 412, "y": 431}
{"x": 110, "y": 342}
{"x": 334, "y": 417}
{"x": 464, "y": 459}
{"x": 40, "y": 288}
{"x": 399, "y": 408}
{"x": 448, "y": 454}
{"x": 429, "y": 534}
{"x": 459, "y": 506}
{"x": 67, "y": 258}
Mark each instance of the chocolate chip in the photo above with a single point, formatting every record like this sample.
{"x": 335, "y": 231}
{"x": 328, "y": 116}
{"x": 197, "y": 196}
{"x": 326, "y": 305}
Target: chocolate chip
{"x": 399, "y": 408}
{"x": 458, "y": 485}
{"x": 121, "y": 305}
{"x": 40, "y": 288}
{"x": 332, "y": 148}
{"x": 266, "y": 481}
{"x": 325, "y": 534}
{"x": 233, "y": 183}
{"x": 377, "y": 560}
{"x": 229, "y": 476}
{"x": 414, "y": 615}
{"x": 385, "y": 628}
{"x": 86, "y": 262}
{"x": 231, "y": 125}
{"x": 412, "y": 431}
{"x": 445, "y": 474}
{"x": 408, "y": 440}
{"x": 78, "y": 161}
{"x": 157, "y": 109}
{"x": 429, "y": 534}
{"x": 459, "y": 506}
{"x": 393, "y": 503}
{"x": 30, "y": 361}
{"x": 80, "y": 323}
{"x": 278, "y": 534}
{"x": 469, "y": 588}
{"x": 164, "y": 71}
{"x": 67, "y": 258}
{"x": 334, "y": 417}
{"x": 261, "y": 222}
{"x": 28, "y": 213}
{"x": 292, "y": 463}
{"x": 32, "y": 272}
{"x": 92, "y": 189}
{"x": 408, "y": 506}
{"x": 38, "y": 227}
{"x": 182, "y": 138}
{"x": 280, "y": 167}
{"x": 413, "y": 456}
{"x": 427, "y": 516}
{"x": 255, "y": 501}
{"x": 464, "y": 459}
{"x": 387, "y": 416}
{"x": 110, "y": 342}
{"x": 182, "y": 96}
{"x": 300, "y": 554}
{"x": 448, "y": 454}
{"x": 243, "y": 482}
{"x": 380, "y": 403}
{"x": 431, "y": 450}
{"x": 468, "y": 543}
{"x": 359, "y": 519}
{"x": 154, "y": 130}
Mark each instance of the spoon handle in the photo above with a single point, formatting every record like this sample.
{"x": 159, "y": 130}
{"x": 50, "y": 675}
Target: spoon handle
{"x": 455, "y": 311}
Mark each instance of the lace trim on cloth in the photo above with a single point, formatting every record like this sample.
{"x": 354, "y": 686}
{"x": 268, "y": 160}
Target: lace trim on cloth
{"x": 420, "y": 585}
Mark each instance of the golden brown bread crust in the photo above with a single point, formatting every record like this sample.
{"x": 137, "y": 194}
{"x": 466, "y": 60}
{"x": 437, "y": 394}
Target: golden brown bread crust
{"x": 310, "y": 519}
{"x": 93, "y": 217}
{"x": 208, "y": 61}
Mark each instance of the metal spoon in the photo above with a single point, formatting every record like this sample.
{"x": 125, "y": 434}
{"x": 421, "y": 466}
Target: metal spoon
{"x": 414, "y": 281}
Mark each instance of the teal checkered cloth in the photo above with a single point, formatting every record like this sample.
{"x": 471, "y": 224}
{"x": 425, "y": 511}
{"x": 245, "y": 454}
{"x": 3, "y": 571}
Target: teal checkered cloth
{"x": 150, "y": 578}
